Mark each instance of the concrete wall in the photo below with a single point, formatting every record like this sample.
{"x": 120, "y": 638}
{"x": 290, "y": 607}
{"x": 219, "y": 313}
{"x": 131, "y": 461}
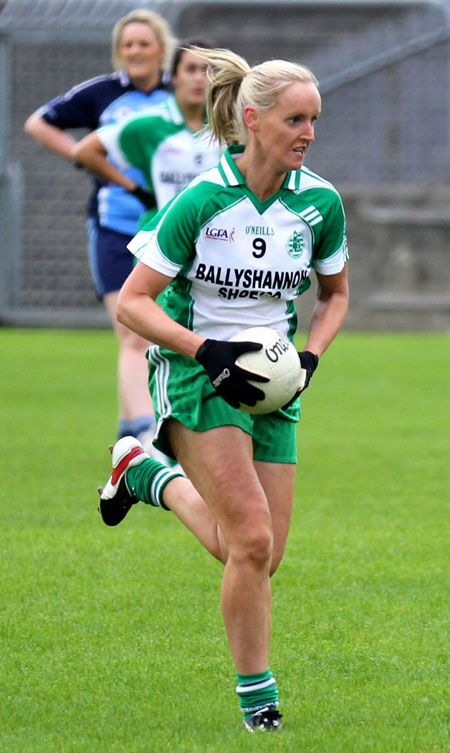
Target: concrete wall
{"x": 399, "y": 269}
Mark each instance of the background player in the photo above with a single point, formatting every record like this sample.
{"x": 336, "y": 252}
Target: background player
{"x": 164, "y": 142}
{"x": 142, "y": 44}
{"x": 261, "y": 221}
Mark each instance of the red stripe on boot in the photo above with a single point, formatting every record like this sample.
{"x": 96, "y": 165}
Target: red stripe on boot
{"x": 124, "y": 463}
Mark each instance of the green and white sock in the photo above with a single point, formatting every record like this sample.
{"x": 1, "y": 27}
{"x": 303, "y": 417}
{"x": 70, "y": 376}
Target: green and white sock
{"x": 256, "y": 691}
{"x": 148, "y": 480}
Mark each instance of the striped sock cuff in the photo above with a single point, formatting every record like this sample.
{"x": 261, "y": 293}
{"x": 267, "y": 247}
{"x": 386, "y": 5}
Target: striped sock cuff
{"x": 159, "y": 482}
{"x": 256, "y": 691}
{"x": 147, "y": 479}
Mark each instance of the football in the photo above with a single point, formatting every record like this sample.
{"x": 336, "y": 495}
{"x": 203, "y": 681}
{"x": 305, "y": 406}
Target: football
{"x": 278, "y": 360}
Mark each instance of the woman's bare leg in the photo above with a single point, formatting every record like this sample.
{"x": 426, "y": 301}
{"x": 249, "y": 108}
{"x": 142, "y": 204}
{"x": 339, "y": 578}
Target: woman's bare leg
{"x": 134, "y": 397}
{"x": 219, "y": 463}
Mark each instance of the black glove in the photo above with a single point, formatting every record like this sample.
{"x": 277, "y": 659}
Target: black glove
{"x": 144, "y": 195}
{"x": 308, "y": 361}
{"x": 218, "y": 358}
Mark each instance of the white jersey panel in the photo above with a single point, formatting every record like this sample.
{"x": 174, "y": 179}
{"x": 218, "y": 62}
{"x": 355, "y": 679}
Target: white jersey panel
{"x": 248, "y": 268}
{"x": 179, "y": 159}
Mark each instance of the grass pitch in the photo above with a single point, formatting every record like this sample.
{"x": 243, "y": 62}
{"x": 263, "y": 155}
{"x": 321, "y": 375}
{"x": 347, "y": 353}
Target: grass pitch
{"x": 112, "y": 640}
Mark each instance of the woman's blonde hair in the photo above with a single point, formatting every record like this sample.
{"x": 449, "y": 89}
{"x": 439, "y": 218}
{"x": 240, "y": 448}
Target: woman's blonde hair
{"x": 234, "y": 85}
{"x": 156, "y": 22}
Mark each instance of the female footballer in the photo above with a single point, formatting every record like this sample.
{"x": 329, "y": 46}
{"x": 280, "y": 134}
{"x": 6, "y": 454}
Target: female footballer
{"x": 168, "y": 143}
{"x": 142, "y": 45}
{"x": 226, "y": 251}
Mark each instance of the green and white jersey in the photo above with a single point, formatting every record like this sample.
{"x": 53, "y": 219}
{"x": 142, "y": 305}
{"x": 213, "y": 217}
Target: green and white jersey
{"x": 238, "y": 261}
{"x": 159, "y": 142}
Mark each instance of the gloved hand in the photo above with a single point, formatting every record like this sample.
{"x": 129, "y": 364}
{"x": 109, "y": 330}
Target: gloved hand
{"x": 308, "y": 363}
{"x": 144, "y": 195}
{"x": 218, "y": 358}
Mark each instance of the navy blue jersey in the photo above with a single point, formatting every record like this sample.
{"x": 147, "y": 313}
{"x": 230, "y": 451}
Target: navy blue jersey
{"x": 97, "y": 102}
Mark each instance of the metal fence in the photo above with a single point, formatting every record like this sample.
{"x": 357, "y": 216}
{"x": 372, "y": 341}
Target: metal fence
{"x": 384, "y": 71}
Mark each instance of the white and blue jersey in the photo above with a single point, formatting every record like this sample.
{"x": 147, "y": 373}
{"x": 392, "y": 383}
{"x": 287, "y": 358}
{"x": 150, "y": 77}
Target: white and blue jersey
{"x": 98, "y": 102}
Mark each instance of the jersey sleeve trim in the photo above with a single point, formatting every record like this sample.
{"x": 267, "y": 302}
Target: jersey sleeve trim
{"x": 144, "y": 246}
{"x": 334, "y": 264}
{"x": 109, "y": 136}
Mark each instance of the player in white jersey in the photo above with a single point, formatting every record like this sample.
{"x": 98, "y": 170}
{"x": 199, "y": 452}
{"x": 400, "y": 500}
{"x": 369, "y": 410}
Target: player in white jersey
{"x": 235, "y": 248}
{"x": 168, "y": 143}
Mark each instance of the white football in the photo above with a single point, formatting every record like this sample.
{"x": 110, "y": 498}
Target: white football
{"x": 278, "y": 360}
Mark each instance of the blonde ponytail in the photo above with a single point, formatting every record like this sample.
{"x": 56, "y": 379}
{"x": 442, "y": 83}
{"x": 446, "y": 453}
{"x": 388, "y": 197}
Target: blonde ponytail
{"x": 234, "y": 85}
{"x": 226, "y": 72}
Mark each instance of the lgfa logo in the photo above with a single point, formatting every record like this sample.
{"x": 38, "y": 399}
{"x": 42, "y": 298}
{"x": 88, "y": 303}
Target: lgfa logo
{"x": 220, "y": 234}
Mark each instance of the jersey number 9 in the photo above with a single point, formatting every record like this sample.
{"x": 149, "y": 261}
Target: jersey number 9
{"x": 259, "y": 244}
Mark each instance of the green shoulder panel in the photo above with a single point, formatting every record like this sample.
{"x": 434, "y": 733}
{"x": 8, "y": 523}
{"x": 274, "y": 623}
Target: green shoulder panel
{"x": 320, "y": 206}
{"x": 140, "y": 137}
{"x": 179, "y": 223}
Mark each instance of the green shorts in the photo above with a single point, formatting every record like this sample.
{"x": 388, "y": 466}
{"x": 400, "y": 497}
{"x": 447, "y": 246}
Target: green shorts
{"x": 181, "y": 389}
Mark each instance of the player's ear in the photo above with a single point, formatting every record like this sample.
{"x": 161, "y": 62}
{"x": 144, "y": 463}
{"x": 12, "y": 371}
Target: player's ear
{"x": 251, "y": 117}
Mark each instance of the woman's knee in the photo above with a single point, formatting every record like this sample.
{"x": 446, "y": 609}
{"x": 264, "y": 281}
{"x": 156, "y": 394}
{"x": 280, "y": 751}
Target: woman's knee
{"x": 255, "y": 548}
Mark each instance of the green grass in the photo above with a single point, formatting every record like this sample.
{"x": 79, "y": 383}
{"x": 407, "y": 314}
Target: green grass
{"x": 112, "y": 640}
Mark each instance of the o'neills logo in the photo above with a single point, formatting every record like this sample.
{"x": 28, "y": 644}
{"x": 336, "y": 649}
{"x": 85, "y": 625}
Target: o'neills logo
{"x": 276, "y": 351}
{"x": 220, "y": 234}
